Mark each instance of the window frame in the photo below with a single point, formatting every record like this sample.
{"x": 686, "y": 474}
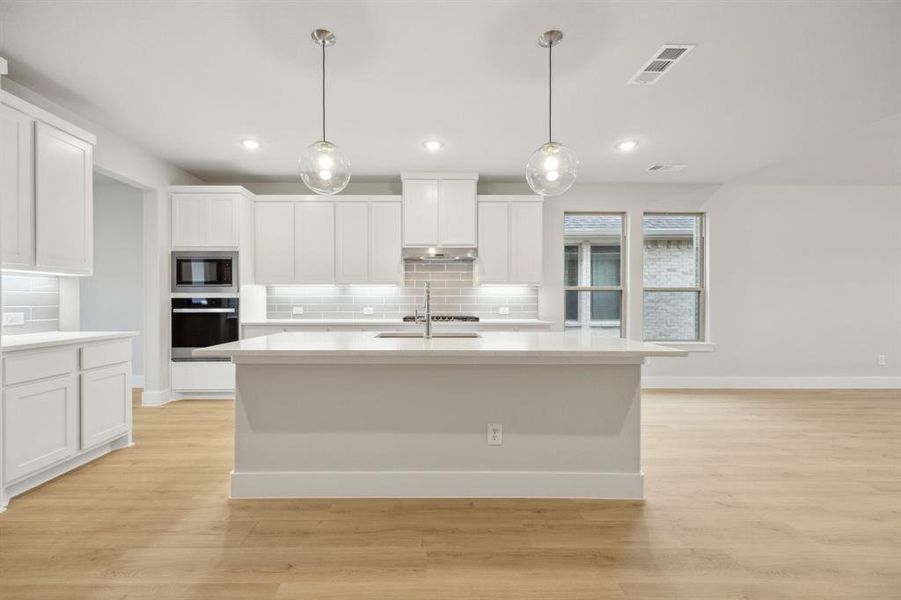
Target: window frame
{"x": 700, "y": 289}
{"x": 584, "y": 244}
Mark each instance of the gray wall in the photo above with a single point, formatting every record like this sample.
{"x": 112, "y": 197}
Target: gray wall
{"x": 113, "y": 299}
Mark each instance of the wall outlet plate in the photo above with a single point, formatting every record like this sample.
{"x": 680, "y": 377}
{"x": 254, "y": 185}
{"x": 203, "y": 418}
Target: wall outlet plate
{"x": 495, "y": 434}
{"x": 504, "y": 310}
{"x": 297, "y": 310}
{"x": 13, "y": 318}
{"x": 368, "y": 310}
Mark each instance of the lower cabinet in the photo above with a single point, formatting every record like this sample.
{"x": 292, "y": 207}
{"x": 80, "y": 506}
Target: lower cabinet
{"x": 105, "y": 404}
{"x": 40, "y": 425}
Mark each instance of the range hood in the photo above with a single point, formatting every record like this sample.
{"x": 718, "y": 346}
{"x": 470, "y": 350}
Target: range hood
{"x": 440, "y": 254}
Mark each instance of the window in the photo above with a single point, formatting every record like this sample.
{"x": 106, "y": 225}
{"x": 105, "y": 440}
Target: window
{"x": 674, "y": 296}
{"x": 593, "y": 272}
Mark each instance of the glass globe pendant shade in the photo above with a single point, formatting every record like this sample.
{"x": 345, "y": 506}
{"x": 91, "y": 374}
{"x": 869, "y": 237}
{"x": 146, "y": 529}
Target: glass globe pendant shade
{"x": 552, "y": 169}
{"x": 324, "y": 168}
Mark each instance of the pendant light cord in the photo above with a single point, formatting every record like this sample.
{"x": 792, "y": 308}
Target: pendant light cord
{"x": 323, "y": 90}
{"x": 550, "y": 96}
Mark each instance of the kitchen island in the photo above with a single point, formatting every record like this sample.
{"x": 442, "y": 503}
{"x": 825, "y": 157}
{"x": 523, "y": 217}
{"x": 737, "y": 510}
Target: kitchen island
{"x": 356, "y": 414}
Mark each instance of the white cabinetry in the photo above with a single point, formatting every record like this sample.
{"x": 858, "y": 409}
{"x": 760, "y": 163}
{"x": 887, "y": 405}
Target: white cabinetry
{"x": 58, "y": 414}
{"x": 16, "y": 188}
{"x": 439, "y": 209}
{"x": 46, "y": 191}
{"x": 346, "y": 240}
{"x": 510, "y": 239}
{"x": 205, "y": 220}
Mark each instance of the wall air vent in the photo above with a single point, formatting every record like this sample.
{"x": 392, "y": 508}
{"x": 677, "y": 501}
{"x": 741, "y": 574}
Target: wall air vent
{"x": 662, "y": 61}
{"x": 665, "y": 168}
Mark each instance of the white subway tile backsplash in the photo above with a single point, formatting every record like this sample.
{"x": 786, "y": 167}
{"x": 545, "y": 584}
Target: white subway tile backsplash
{"x": 453, "y": 292}
{"x": 35, "y": 297}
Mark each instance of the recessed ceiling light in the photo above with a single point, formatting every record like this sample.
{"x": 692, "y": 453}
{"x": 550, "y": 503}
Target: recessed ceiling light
{"x": 627, "y": 145}
{"x": 432, "y": 145}
{"x": 250, "y": 144}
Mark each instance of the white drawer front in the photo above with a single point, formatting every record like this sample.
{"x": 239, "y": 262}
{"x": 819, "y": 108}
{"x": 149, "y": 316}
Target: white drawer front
{"x": 40, "y": 426}
{"x": 105, "y": 353}
{"x": 105, "y": 404}
{"x": 28, "y": 366}
{"x": 194, "y": 376}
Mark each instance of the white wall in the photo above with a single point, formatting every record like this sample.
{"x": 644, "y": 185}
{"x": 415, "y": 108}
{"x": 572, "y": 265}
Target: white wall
{"x": 121, "y": 159}
{"x": 113, "y": 299}
{"x": 805, "y": 281}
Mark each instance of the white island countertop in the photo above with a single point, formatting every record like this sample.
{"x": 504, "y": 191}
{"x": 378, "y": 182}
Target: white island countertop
{"x": 48, "y": 339}
{"x": 489, "y": 347}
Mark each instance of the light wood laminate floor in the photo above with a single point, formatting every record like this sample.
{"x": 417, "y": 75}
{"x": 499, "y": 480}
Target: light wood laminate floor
{"x": 750, "y": 495}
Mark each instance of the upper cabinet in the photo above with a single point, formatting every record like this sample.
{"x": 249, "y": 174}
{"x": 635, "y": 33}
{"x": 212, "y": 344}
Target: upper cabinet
{"x": 207, "y": 216}
{"x": 510, "y": 239}
{"x": 46, "y": 191}
{"x": 439, "y": 209}
{"x": 310, "y": 240}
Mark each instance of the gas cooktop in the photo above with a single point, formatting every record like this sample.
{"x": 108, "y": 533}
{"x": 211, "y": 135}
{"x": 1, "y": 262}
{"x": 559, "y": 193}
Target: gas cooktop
{"x": 446, "y": 319}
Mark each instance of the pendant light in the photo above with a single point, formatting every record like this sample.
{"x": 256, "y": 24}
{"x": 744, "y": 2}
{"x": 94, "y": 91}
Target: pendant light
{"x": 323, "y": 167}
{"x": 553, "y": 168}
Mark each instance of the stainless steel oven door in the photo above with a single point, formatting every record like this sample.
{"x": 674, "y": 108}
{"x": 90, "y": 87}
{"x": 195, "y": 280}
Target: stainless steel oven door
{"x": 205, "y": 272}
{"x": 202, "y": 322}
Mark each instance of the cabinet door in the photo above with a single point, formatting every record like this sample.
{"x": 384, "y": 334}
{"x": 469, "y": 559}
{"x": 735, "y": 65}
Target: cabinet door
{"x": 16, "y": 188}
{"x": 457, "y": 212}
{"x": 105, "y": 404}
{"x": 385, "y": 243}
{"x": 64, "y": 202}
{"x": 223, "y": 221}
{"x": 526, "y": 234}
{"x": 40, "y": 425}
{"x": 314, "y": 242}
{"x": 494, "y": 242}
{"x": 190, "y": 215}
{"x": 420, "y": 212}
{"x": 352, "y": 242}
{"x": 274, "y": 242}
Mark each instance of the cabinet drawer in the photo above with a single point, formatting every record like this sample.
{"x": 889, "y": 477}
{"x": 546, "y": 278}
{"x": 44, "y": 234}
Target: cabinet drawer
{"x": 197, "y": 376}
{"x": 18, "y": 368}
{"x": 105, "y": 353}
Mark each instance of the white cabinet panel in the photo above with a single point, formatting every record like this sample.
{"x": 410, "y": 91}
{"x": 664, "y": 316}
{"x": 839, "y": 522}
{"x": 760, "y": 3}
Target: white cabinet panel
{"x": 201, "y": 376}
{"x": 494, "y": 242}
{"x": 40, "y": 425}
{"x": 204, "y": 220}
{"x": 105, "y": 404}
{"x": 105, "y": 353}
{"x": 16, "y": 188}
{"x": 27, "y": 366}
{"x": 63, "y": 201}
{"x": 420, "y": 212}
{"x": 456, "y": 212}
{"x": 274, "y": 242}
{"x": 314, "y": 242}
{"x": 223, "y": 221}
{"x": 385, "y": 243}
{"x": 352, "y": 242}
{"x": 526, "y": 233}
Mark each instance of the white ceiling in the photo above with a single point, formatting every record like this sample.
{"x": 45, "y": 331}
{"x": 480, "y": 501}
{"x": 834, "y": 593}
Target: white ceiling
{"x": 768, "y": 81}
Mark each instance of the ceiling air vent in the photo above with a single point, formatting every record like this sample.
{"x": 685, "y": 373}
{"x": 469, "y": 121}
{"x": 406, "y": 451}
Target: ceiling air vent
{"x": 665, "y": 168}
{"x": 662, "y": 61}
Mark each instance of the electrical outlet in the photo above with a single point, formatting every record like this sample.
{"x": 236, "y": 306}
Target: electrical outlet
{"x": 495, "y": 434}
{"x": 504, "y": 310}
{"x": 368, "y": 310}
{"x": 880, "y": 360}
{"x": 13, "y": 318}
{"x": 297, "y": 310}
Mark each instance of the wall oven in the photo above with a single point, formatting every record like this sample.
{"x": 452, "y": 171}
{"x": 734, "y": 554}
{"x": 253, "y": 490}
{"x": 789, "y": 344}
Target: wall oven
{"x": 200, "y": 322}
{"x": 205, "y": 272}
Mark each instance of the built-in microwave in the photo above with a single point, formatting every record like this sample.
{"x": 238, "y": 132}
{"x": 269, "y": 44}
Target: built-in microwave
{"x": 205, "y": 272}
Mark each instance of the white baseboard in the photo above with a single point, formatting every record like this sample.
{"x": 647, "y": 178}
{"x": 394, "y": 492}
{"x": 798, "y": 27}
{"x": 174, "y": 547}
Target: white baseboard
{"x": 678, "y": 382}
{"x": 436, "y": 484}
{"x": 155, "y": 397}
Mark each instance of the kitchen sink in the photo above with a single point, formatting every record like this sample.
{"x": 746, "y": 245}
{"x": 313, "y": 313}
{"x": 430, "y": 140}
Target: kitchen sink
{"x": 419, "y": 334}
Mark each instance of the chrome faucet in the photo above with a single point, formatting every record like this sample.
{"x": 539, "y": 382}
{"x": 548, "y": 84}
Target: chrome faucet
{"x": 428, "y": 310}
